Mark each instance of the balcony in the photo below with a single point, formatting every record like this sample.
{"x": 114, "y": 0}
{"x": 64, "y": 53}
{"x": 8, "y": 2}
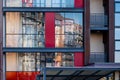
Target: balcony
{"x": 98, "y": 21}
{"x": 97, "y": 57}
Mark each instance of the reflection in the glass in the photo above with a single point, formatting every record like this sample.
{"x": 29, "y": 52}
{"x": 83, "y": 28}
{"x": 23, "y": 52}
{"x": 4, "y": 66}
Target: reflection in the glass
{"x": 117, "y": 33}
{"x": 27, "y": 31}
{"x": 117, "y": 45}
{"x": 117, "y": 17}
{"x": 34, "y": 61}
{"x": 39, "y": 3}
{"x": 68, "y": 30}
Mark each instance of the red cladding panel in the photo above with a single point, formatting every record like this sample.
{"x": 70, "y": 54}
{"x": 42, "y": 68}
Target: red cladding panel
{"x": 78, "y": 59}
{"x": 49, "y": 30}
{"x": 11, "y": 75}
{"x": 21, "y": 75}
{"x": 78, "y": 3}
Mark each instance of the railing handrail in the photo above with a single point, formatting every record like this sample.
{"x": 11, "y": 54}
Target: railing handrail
{"x": 98, "y": 20}
{"x": 97, "y": 57}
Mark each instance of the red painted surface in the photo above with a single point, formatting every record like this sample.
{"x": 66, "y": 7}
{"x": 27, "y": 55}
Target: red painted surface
{"x": 78, "y": 59}
{"x": 79, "y": 3}
{"x": 10, "y": 75}
{"x": 49, "y": 30}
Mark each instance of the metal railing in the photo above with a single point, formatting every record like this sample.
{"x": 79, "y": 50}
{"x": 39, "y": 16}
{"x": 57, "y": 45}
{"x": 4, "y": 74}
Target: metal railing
{"x": 98, "y": 20}
{"x": 97, "y": 57}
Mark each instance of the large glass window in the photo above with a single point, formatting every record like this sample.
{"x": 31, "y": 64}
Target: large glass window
{"x": 24, "y": 29}
{"x": 39, "y": 3}
{"x": 27, "y": 29}
{"x": 34, "y": 61}
{"x": 69, "y": 30}
{"x": 117, "y": 21}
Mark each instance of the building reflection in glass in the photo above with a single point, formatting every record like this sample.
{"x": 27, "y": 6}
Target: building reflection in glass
{"x": 34, "y": 61}
{"x": 39, "y": 3}
{"x": 24, "y": 29}
{"x": 69, "y": 30}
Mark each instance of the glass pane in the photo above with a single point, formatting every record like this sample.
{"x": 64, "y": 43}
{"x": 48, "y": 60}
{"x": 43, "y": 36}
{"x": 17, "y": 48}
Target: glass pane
{"x": 69, "y": 3}
{"x": 11, "y": 62}
{"x": 117, "y": 7}
{"x": 73, "y": 23}
{"x": 56, "y": 3}
{"x": 13, "y": 3}
{"x": 13, "y": 23}
{"x": 117, "y": 0}
{"x": 117, "y": 45}
{"x": 29, "y": 61}
{"x": 27, "y": 3}
{"x": 25, "y": 29}
{"x": 117, "y": 21}
{"x": 13, "y": 40}
{"x": 59, "y": 23}
{"x": 73, "y": 41}
{"x": 117, "y": 33}
{"x": 63, "y": 3}
{"x": 36, "y": 3}
{"x": 68, "y": 30}
{"x": 42, "y": 3}
{"x": 117, "y": 56}
{"x": 34, "y": 61}
{"x": 39, "y": 3}
{"x": 48, "y": 3}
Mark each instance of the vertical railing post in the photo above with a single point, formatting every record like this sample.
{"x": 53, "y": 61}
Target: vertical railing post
{"x": 44, "y": 73}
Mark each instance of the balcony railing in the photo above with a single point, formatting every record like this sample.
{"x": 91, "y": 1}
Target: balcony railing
{"x": 98, "y": 20}
{"x": 97, "y": 57}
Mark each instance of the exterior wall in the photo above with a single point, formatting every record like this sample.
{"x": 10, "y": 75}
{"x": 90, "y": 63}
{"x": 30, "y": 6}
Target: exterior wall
{"x": 96, "y": 42}
{"x": 96, "y": 6}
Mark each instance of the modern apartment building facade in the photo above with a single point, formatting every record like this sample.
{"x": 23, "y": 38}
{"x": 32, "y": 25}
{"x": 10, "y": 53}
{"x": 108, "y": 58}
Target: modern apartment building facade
{"x": 59, "y": 40}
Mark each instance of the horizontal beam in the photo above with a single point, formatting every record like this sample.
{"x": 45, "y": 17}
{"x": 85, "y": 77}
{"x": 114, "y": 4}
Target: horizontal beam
{"x": 39, "y": 9}
{"x": 31, "y": 50}
{"x": 113, "y": 68}
{"x": 72, "y": 75}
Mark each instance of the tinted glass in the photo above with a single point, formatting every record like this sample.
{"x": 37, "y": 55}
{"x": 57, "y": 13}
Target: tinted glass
{"x": 69, "y": 30}
{"x": 117, "y": 33}
{"x": 117, "y": 19}
{"x": 34, "y": 61}
{"x": 39, "y": 3}
{"x": 117, "y": 56}
{"x": 117, "y": 45}
{"x": 117, "y": 7}
{"x": 24, "y": 30}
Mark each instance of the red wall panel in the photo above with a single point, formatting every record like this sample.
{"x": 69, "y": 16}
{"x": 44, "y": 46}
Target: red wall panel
{"x": 49, "y": 30}
{"x": 12, "y": 75}
{"x": 78, "y": 59}
{"x": 78, "y": 3}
